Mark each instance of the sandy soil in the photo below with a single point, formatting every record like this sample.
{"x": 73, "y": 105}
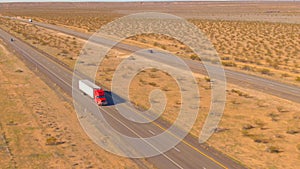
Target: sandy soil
{"x": 38, "y": 126}
{"x": 268, "y": 49}
{"x": 254, "y": 129}
{"x": 257, "y": 129}
{"x": 65, "y": 48}
{"x": 284, "y": 12}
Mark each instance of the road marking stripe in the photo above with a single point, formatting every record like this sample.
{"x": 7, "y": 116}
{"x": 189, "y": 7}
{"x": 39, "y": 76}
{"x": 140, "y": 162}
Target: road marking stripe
{"x": 151, "y": 132}
{"x": 183, "y": 141}
{"x": 156, "y": 124}
{"x": 43, "y": 66}
{"x": 102, "y": 109}
{"x": 176, "y": 149}
{"x": 142, "y": 138}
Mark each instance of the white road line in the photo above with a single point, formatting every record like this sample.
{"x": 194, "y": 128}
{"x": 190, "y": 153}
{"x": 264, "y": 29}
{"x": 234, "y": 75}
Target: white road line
{"x": 105, "y": 111}
{"x": 42, "y": 65}
{"x": 53, "y": 27}
{"x": 58, "y": 77}
{"x": 176, "y": 149}
{"x": 255, "y": 78}
{"x": 142, "y": 138}
{"x": 151, "y": 132}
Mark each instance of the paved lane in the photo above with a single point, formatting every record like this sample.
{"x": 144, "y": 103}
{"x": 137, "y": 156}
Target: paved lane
{"x": 187, "y": 154}
{"x": 279, "y": 89}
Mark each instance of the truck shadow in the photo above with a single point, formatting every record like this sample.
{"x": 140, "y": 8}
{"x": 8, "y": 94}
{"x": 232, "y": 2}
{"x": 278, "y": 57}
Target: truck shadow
{"x": 113, "y": 100}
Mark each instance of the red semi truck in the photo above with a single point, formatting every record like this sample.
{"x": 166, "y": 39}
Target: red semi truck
{"x": 94, "y": 91}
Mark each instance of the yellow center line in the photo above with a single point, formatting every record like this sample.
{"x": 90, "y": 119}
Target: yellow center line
{"x": 156, "y": 124}
{"x": 183, "y": 141}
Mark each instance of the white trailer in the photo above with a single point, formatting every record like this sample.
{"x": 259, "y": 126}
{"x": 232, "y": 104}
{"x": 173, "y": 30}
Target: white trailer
{"x": 94, "y": 91}
{"x": 88, "y": 87}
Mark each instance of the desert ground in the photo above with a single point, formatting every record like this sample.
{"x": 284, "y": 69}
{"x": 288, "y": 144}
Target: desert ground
{"x": 257, "y": 129}
{"x": 265, "y": 45}
{"x": 33, "y": 126}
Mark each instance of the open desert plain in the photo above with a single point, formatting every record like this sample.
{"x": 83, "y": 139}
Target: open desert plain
{"x": 257, "y": 44}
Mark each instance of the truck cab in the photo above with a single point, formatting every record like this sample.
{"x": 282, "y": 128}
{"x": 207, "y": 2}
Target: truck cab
{"x": 99, "y": 97}
{"x": 93, "y": 91}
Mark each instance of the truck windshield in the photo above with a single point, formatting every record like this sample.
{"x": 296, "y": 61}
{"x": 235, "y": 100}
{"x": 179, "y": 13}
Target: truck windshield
{"x": 100, "y": 96}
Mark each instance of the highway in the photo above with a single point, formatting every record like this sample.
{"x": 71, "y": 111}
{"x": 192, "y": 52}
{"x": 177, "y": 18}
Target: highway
{"x": 272, "y": 87}
{"x": 187, "y": 154}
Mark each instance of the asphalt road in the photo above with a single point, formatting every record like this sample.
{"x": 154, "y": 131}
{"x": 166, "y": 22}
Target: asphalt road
{"x": 279, "y": 89}
{"x": 187, "y": 154}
